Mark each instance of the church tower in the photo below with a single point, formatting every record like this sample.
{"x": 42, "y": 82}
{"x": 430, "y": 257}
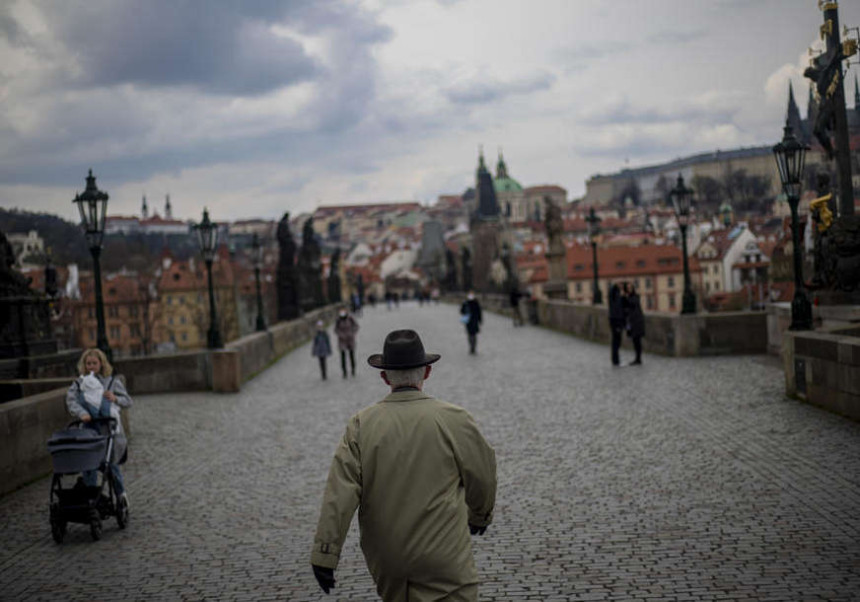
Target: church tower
{"x": 144, "y": 209}
{"x": 485, "y": 227}
{"x": 793, "y": 116}
{"x": 168, "y": 210}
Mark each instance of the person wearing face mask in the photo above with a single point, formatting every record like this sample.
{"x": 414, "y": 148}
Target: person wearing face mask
{"x": 470, "y": 315}
{"x": 346, "y": 328}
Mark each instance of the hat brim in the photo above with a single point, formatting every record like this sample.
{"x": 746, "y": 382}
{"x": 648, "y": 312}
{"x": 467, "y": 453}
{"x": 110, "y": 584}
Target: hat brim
{"x": 376, "y": 360}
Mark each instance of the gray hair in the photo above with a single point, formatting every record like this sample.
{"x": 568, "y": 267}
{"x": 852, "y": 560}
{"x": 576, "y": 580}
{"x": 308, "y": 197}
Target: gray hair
{"x": 413, "y": 377}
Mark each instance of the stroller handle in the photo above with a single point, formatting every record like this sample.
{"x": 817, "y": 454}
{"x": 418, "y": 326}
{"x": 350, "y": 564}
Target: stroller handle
{"x": 111, "y": 421}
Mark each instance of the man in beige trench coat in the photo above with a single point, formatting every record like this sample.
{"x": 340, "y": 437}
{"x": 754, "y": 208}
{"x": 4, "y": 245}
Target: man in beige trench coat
{"x": 422, "y": 477}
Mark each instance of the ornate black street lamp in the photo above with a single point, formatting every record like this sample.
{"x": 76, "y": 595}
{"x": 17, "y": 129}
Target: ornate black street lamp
{"x": 790, "y": 157}
{"x": 92, "y": 204}
{"x": 207, "y": 238}
{"x": 257, "y": 249}
{"x": 682, "y": 198}
{"x": 593, "y": 223}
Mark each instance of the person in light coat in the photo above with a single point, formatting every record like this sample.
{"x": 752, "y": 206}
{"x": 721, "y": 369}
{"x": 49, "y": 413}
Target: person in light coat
{"x": 423, "y": 479}
{"x": 114, "y": 397}
{"x": 345, "y": 327}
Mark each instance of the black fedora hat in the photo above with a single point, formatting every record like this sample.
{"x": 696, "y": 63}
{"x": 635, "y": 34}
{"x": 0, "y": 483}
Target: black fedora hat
{"x": 403, "y": 350}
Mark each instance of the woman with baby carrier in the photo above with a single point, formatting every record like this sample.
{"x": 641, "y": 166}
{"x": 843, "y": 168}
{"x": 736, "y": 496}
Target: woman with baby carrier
{"x": 96, "y": 393}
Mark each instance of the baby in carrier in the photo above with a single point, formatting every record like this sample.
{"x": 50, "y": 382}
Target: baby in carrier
{"x": 97, "y": 394}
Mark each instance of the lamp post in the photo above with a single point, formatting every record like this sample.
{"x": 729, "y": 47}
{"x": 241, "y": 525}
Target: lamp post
{"x": 207, "y": 238}
{"x": 92, "y": 204}
{"x": 593, "y": 223}
{"x": 682, "y": 198}
{"x": 257, "y": 249}
{"x": 790, "y": 156}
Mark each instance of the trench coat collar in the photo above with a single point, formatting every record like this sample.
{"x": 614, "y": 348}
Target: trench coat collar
{"x": 409, "y": 395}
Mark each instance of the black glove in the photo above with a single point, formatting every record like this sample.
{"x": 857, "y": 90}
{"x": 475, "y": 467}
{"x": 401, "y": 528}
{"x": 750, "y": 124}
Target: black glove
{"x": 474, "y": 530}
{"x": 325, "y": 577}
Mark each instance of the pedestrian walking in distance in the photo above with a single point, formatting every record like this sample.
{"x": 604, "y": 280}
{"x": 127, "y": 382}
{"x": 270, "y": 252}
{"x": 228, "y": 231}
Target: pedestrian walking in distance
{"x": 617, "y": 321}
{"x": 321, "y": 347}
{"x": 635, "y": 322}
{"x": 515, "y": 297}
{"x": 470, "y": 315}
{"x": 345, "y": 327}
{"x": 422, "y": 477}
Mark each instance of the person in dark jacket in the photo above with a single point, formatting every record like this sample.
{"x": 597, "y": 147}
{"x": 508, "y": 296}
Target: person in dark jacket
{"x": 515, "y": 297}
{"x": 346, "y": 328}
{"x": 617, "y": 320}
{"x": 321, "y": 347}
{"x": 472, "y": 309}
{"x": 635, "y": 321}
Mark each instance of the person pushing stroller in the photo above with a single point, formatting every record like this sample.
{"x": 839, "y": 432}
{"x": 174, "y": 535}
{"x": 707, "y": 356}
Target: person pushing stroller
{"x": 85, "y": 402}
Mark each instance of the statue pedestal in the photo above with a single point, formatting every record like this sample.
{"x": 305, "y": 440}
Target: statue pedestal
{"x": 555, "y": 289}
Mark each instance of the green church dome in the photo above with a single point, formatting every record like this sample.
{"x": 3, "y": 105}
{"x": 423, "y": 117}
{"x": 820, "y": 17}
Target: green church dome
{"x": 506, "y": 185}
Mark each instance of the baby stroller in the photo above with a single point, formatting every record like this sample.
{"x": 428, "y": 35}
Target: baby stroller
{"x": 75, "y": 450}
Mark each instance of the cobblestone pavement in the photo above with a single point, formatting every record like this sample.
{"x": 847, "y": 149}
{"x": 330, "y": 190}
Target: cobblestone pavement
{"x": 683, "y": 479}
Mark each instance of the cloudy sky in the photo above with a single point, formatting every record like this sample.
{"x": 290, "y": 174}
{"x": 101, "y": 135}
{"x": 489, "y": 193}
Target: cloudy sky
{"x": 256, "y": 108}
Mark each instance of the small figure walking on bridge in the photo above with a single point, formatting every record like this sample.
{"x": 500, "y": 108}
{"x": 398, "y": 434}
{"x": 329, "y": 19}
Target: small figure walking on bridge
{"x": 322, "y": 347}
{"x": 617, "y": 321}
{"x": 423, "y": 478}
{"x": 635, "y": 320}
{"x": 470, "y": 316}
{"x": 346, "y": 328}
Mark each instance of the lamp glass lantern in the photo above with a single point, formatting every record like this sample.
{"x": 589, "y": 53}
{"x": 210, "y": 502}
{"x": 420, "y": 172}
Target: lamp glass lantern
{"x": 207, "y": 236}
{"x": 790, "y": 155}
{"x": 92, "y": 205}
{"x": 681, "y": 197}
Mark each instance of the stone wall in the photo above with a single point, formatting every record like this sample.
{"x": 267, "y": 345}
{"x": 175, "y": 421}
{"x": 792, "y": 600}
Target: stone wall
{"x": 678, "y": 335}
{"x": 823, "y": 368}
{"x": 41, "y": 366}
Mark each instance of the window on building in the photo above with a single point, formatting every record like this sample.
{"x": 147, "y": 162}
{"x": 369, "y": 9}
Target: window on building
{"x": 716, "y": 286}
{"x": 92, "y": 334}
{"x": 707, "y": 287}
{"x": 578, "y": 267}
{"x": 578, "y": 287}
{"x": 169, "y": 300}
{"x": 113, "y": 311}
{"x": 649, "y": 302}
{"x": 647, "y": 283}
{"x": 640, "y": 263}
{"x": 181, "y": 300}
{"x": 672, "y": 300}
{"x": 671, "y": 282}
{"x": 90, "y": 312}
{"x": 134, "y": 329}
{"x": 182, "y": 319}
{"x": 133, "y": 311}
{"x": 114, "y": 332}
{"x": 716, "y": 269}
{"x": 172, "y": 338}
{"x": 170, "y": 320}
{"x": 619, "y": 264}
{"x": 184, "y": 336}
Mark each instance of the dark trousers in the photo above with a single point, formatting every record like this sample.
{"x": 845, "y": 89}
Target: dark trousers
{"x": 351, "y": 361}
{"x": 616, "y": 343}
{"x": 637, "y": 345}
{"x": 322, "y": 366}
{"x": 473, "y": 343}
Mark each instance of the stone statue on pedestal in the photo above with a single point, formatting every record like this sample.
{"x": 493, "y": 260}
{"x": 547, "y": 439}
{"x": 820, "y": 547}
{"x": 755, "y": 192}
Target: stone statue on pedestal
{"x": 556, "y": 255}
{"x": 333, "y": 284}
{"x": 287, "y": 281}
{"x": 310, "y": 269}
{"x": 466, "y": 259}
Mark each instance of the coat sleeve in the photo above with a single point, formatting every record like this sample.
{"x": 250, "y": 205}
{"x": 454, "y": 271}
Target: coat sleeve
{"x": 72, "y": 404}
{"x": 340, "y": 500}
{"x": 122, "y": 396}
{"x": 477, "y": 463}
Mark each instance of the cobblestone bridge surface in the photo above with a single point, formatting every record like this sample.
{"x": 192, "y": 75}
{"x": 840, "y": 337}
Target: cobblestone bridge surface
{"x": 683, "y": 479}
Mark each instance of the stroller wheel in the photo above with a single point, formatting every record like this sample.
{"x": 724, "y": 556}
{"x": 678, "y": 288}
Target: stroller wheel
{"x": 95, "y": 526}
{"x": 58, "y": 526}
{"x": 122, "y": 512}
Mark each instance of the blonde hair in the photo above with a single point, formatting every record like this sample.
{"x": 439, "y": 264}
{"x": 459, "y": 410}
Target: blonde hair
{"x": 106, "y": 370}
